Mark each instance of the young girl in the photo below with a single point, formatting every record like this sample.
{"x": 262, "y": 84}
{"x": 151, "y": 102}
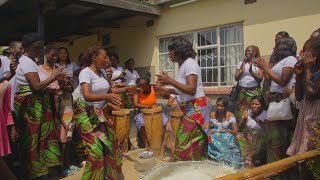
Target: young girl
{"x": 252, "y": 140}
{"x": 223, "y": 146}
{"x": 65, "y": 111}
{"x": 145, "y": 100}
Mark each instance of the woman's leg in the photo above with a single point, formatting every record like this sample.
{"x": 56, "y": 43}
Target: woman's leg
{"x": 66, "y": 156}
{"x": 143, "y": 136}
{"x": 190, "y": 131}
{"x": 277, "y": 143}
{"x": 95, "y": 166}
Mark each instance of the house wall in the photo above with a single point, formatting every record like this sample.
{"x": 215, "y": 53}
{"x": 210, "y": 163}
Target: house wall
{"x": 79, "y": 45}
{"x": 261, "y": 21}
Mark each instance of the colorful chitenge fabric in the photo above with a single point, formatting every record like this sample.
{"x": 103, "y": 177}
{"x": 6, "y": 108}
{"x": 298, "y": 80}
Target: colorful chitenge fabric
{"x": 191, "y": 140}
{"x": 97, "y": 130}
{"x": 244, "y": 99}
{"x": 253, "y": 146}
{"x": 40, "y": 148}
{"x": 223, "y": 146}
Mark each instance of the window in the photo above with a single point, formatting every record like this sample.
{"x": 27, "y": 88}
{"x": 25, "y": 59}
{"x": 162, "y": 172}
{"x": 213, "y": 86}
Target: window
{"x": 164, "y": 62}
{"x": 219, "y": 50}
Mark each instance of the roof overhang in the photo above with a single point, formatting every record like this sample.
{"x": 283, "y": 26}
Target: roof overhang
{"x": 127, "y": 5}
{"x": 62, "y": 18}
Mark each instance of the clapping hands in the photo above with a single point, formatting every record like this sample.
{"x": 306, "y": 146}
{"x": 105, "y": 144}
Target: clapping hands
{"x": 163, "y": 78}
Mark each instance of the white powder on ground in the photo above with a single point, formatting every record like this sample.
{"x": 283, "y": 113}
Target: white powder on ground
{"x": 203, "y": 174}
{"x": 190, "y": 175}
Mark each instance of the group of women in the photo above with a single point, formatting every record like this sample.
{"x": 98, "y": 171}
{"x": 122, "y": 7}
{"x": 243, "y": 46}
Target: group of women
{"x": 242, "y": 140}
{"x": 42, "y": 96}
{"x": 286, "y": 75}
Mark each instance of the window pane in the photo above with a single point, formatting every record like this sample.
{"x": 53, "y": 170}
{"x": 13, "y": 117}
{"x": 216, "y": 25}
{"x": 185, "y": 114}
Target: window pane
{"x": 231, "y": 35}
{"x": 207, "y": 57}
{"x": 189, "y": 37}
{"x": 209, "y": 77}
{"x": 231, "y": 55}
{"x": 163, "y": 46}
{"x": 227, "y": 76}
{"x": 165, "y": 63}
{"x": 207, "y": 38}
{"x": 203, "y": 75}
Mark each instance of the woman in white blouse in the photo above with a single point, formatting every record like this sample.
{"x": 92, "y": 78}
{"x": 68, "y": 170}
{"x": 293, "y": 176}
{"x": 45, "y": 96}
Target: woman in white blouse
{"x": 281, "y": 76}
{"x": 92, "y": 118}
{"x": 131, "y": 78}
{"x": 249, "y": 77}
{"x": 252, "y": 140}
{"x": 117, "y": 74}
{"x": 64, "y": 60}
{"x": 131, "y": 74}
{"x": 192, "y": 142}
{"x": 33, "y": 107}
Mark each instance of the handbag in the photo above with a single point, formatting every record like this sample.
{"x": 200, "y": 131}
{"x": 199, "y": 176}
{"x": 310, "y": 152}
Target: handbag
{"x": 279, "y": 110}
{"x": 235, "y": 90}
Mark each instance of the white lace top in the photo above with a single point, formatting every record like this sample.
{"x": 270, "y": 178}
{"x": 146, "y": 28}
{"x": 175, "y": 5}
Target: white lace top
{"x": 216, "y": 125}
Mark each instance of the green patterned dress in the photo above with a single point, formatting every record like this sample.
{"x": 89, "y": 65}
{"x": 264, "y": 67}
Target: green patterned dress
{"x": 244, "y": 99}
{"x": 35, "y": 121}
{"x": 97, "y": 129}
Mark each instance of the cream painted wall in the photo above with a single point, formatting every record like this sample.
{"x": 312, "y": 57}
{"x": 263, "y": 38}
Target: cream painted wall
{"x": 135, "y": 40}
{"x": 261, "y": 21}
{"x": 79, "y": 46}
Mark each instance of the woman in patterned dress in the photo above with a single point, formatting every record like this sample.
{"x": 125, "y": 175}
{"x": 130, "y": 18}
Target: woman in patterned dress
{"x": 252, "y": 139}
{"x": 92, "y": 118}
{"x": 104, "y": 160}
{"x": 307, "y": 91}
{"x": 249, "y": 77}
{"x": 33, "y": 108}
{"x": 223, "y": 145}
{"x": 191, "y": 141}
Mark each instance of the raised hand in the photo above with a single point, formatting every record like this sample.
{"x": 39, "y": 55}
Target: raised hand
{"x": 13, "y": 66}
{"x": 162, "y": 91}
{"x": 134, "y": 90}
{"x": 261, "y": 63}
{"x": 308, "y": 60}
{"x": 244, "y": 113}
{"x": 57, "y": 72}
{"x": 287, "y": 91}
{"x": 122, "y": 78}
{"x": 163, "y": 78}
{"x": 298, "y": 68}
